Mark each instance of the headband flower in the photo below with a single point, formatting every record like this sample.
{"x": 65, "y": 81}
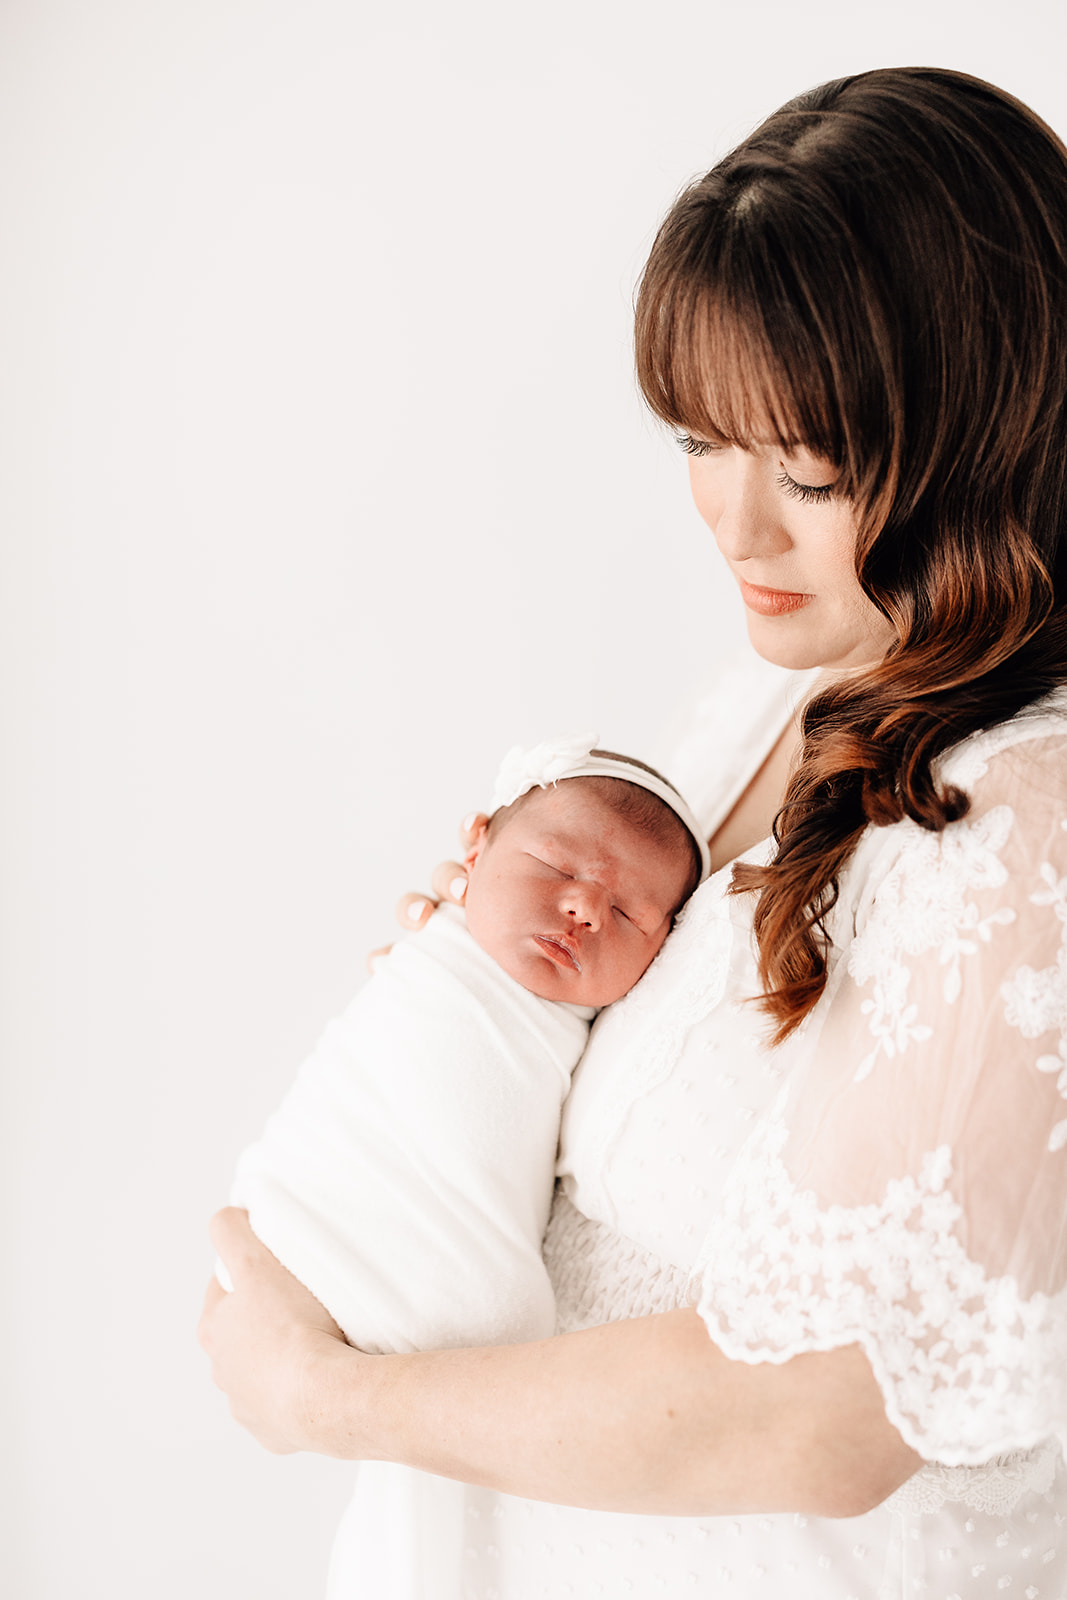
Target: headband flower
{"x": 522, "y": 770}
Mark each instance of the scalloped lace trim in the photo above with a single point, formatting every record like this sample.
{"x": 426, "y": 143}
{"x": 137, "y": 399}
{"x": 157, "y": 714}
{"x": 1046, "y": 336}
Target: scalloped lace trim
{"x": 965, "y": 1363}
{"x": 600, "y": 1276}
{"x": 994, "y": 1489}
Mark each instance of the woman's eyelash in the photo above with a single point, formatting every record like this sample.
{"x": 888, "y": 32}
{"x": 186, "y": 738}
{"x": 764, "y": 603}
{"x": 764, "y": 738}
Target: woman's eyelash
{"x": 695, "y": 447}
{"x": 809, "y": 493}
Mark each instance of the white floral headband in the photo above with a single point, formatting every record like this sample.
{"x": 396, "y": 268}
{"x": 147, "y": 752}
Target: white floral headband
{"x": 571, "y": 756}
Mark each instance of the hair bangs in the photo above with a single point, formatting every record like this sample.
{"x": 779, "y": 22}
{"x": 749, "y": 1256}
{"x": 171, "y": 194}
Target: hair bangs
{"x": 747, "y": 333}
{"x": 724, "y": 362}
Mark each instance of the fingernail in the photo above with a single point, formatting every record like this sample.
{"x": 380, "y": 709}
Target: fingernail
{"x": 416, "y": 910}
{"x": 468, "y": 821}
{"x": 458, "y": 888}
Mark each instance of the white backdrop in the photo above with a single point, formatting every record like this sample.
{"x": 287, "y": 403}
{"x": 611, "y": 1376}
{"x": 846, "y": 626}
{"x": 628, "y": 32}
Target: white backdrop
{"x": 324, "y": 480}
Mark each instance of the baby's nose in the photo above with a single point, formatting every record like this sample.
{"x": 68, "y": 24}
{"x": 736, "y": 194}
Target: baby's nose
{"x": 584, "y": 904}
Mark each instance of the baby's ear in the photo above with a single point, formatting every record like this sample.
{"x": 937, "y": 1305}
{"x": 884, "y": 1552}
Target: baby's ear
{"x": 481, "y": 837}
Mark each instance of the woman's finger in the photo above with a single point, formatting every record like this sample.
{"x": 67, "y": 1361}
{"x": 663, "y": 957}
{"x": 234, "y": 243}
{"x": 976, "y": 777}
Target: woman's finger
{"x": 450, "y": 881}
{"x": 413, "y": 909}
{"x": 235, "y": 1242}
{"x": 471, "y": 827}
{"x": 215, "y": 1293}
{"x": 206, "y": 1326}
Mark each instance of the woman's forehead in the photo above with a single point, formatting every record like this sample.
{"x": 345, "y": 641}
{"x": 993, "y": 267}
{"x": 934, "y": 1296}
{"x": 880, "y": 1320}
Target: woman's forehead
{"x": 735, "y": 405}
{"x": 728, "y": 373}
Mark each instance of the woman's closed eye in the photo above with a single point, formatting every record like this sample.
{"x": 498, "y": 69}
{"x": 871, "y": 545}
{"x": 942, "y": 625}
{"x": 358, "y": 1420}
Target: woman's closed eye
{"x": 696, "y": 447}
{"x": 810, "y": 494}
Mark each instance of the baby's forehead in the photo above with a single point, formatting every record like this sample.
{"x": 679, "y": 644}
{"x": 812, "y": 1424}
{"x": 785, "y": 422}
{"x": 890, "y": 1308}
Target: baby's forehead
{"x": 578, "y": 810}
{"x": 577, "y": 804}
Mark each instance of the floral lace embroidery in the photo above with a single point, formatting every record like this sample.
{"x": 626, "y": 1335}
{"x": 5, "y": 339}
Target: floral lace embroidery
{"x": 994, "y": 1489}
{"x": 966, "y": 1365}
{"x": 1036, "y": 1002}
{"x": 922, "y": 904}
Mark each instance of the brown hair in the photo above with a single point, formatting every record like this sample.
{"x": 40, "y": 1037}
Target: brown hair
{"x": 880, "y": 271}
{"x": 644, "y": 810}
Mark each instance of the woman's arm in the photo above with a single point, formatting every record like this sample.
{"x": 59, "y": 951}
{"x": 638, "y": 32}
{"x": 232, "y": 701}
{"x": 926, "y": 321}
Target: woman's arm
{"x": 644, "y": 1415}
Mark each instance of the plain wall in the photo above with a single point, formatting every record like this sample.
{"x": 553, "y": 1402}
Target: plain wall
{"x": 324, "y": 480}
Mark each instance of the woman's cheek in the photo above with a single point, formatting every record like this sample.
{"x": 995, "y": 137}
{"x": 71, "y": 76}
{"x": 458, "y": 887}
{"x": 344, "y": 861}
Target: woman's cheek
{"x": 706, "y": 491}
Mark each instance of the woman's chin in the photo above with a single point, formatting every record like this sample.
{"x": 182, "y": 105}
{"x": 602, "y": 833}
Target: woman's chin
{"x": 796, "y": 648}
{"x": 782, "y": 642}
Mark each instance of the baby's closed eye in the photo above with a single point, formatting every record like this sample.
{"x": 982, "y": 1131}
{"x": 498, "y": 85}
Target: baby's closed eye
{"x": 559, "y": 871}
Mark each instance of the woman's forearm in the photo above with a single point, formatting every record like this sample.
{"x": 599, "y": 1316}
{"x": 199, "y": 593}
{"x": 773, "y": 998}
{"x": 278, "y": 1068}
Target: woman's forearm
{"x": 644, "y": 1415}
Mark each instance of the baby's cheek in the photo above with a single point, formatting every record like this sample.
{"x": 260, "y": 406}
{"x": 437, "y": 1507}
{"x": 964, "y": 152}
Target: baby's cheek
{"x": 481, "y": 924}
{"x": 652, "y": 947}
{"x": 637, "y": 965}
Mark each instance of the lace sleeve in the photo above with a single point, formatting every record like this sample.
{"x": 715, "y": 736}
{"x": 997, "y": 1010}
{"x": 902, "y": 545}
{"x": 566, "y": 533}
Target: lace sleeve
{"x": 909, "y": 1190}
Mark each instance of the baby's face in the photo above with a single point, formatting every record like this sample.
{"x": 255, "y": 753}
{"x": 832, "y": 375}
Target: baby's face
{"x": 571, "y": 899}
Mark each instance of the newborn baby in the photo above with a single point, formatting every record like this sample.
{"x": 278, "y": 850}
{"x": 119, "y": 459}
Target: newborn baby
{"x": 407, "y": 1176}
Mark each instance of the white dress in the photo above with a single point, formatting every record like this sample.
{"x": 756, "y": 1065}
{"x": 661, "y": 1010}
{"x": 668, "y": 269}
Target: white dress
{"x": 894, "y": 1175}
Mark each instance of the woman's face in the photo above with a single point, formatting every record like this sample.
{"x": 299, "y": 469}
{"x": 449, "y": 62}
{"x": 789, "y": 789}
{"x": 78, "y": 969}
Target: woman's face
{"x": 790, "y": 543}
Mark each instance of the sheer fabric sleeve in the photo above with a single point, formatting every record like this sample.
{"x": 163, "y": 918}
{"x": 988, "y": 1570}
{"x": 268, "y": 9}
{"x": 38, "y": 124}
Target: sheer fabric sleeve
{"x": 909, "y": 1190}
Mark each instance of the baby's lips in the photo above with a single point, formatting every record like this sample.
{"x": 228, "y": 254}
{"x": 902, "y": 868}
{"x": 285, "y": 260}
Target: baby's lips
{"x": 553, "y": 942}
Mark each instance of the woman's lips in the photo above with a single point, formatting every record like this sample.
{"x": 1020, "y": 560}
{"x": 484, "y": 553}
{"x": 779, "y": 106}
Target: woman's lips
{"x": 558, "y": 950}
{"x": 771, "y": 602}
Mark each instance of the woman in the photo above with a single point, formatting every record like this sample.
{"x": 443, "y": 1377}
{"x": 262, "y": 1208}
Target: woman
{"x": 809, "y": 1250}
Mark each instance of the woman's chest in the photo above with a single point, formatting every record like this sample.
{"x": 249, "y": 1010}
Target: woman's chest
{"x": 679, "y": 1073}
{"x": 680, "y": 1141}
{"x": 673, "y": 1082}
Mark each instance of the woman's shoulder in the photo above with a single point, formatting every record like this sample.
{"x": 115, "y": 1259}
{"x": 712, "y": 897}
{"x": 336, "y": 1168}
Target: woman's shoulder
{"x": 1016, "y": 770}
{"x": 1031, "y": 745}
{"x": 906, "y": 884}
{"x": 1012, "y": 835}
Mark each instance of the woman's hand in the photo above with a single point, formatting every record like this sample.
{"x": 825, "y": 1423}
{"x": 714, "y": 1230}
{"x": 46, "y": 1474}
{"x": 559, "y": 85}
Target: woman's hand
{"x": 449, "y": 883}
{"x": 270, "y": 1343}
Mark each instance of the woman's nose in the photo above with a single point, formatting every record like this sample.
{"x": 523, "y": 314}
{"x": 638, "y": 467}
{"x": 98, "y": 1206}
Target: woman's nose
{"x": 736, "y": 501}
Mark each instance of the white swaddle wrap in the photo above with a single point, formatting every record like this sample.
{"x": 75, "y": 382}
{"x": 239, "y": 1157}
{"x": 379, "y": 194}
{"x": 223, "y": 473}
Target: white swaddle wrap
{"x": 406, "y": 1177}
